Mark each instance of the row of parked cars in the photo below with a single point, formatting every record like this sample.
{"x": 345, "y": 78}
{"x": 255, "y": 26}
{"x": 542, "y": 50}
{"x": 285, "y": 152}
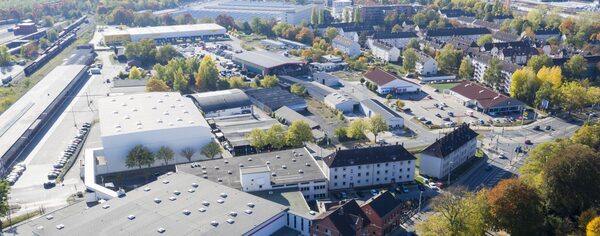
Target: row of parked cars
{"x": 16, "y": 172}
{"x": 70, "y": 152}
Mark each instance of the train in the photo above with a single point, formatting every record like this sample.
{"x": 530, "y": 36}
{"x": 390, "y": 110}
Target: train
{"x": 66, "y": 37}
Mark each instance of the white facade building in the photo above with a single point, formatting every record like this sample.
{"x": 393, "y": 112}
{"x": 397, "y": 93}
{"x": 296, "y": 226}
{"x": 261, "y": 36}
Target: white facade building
{"x": 397, "y": 39}
{"x": 389, "y": 83}
{"x": 150, "y": 119}
{"x": 346, "y": 45}
{"x": 369, "y": 166}
{"x": 371, "y": 107}
{"x": 426, "y": 65}
{"x": 384, "y": 51}
{"x": 340, "y": 102}
{"x": 449, "y": 152}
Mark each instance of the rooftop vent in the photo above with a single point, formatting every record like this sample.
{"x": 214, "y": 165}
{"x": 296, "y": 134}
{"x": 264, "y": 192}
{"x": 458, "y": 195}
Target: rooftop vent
{"x": 153, "y": 108}
{"x": 300, "y": 171}
{"x": 226, "y": 161}
{"x": 251, "y": 205}
{"x": 233, "y": 213}
{"x": 139, "y": 127}
{"x": 146, "y": 189}
{"x": 106, "y": 206}
{"x": 131, "y": 217}
{"x": 214, "y": 223}
{"x": 172, "y": 106}
{"x": 115, "y": 112}
{"x": 165, "y": 181}
{"x": 273, "y": 174}
{"x": 161, "y": 230}
{"x": 171, "y": 124}
{"x": 172, "y": 198}
{"x": 113, "y": 100}
{"x": 195, "y": 185}
{"x": 126, "y": 117}
{"x": 241, "y": 165}
{"x": 185, "y": 112}
{"x": 307, "y": 164}
{"x": 249, "y": 158}
{"x": 156, "y": 200}
{"x": 204, "y": 172}
{"x": 160, "y": 101}
{"x": 186, "y": 212}
{"x": 230, "y": 221}
{"x": 138, "y": 123}
{"x": 205, "y": 203}
{"x": 229, "y": 172}
{"x": 223, "y": 195}
{"x": 312, "y": 213}
{"x": 123, "y": 104}
{"x": 159, "y": 121}
{"x": 179, "y": 119}
{"x": 221, "y": 201}
{"x": 248, "y": 211}
{"x": 176, "y": 192}
{"x": 134, "y": 109}
{"x": 192, "y": 122}
{"x": 205, "y": 176}
{"x": 201, "y": 209}
{"x": 117, "y": 126}
{"x": 284, "y": 166}
{"x": 191, "y": 190}
{"x": 130, "y": 98}
{"x": 268, "y": 162}
{"x": 277, "y": 156}
{"x": 293, "y": 159}
{"x": 220, "y": 180}
{"x": 166, "y": 113}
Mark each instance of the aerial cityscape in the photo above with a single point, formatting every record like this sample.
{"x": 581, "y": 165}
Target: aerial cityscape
{"x": 300, "y": 117}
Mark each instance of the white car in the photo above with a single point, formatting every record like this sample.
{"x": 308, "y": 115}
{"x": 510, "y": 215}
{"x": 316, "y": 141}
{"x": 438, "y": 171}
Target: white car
{"x": 432, "y": 185}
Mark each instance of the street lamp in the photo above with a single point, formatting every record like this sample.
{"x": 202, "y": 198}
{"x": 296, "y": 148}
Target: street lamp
{"x": 450, "y": 172}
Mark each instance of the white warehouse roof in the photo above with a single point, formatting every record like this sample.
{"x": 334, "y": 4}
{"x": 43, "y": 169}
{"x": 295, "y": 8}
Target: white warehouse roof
{"x": 170, "y": 31}
{"x": 147, "y": 112}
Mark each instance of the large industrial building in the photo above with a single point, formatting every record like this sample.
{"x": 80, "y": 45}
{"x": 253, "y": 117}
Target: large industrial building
{"x": 165, "y": 34}
{"x": 268, "y": 63}
{"x": 151, "y": 119}
{"x": 223, "y": 102}
{"x": 247, "y": 10}
{"x": 175, "y": 204}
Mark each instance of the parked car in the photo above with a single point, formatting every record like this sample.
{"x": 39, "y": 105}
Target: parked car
{"x": 451, "y": 114}
{"x": 49, "y": 184}
{"x": 548, "y": 127}
{"x": 537, "y": 127}
{"x": 405, "y": 189}
{"x": 373, "y": 192}
{"x": 528, "y": 142}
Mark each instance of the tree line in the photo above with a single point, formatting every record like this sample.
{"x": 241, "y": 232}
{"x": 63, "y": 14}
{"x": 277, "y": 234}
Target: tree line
{"x": 557, "y": 193}
{"x": 358, "y": 128}
{"x": 140, "y": 155}
{"x": 276, "y": 137}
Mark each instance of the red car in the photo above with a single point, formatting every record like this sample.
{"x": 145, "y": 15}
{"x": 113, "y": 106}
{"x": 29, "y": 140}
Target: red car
{"x": 528, "y": 142}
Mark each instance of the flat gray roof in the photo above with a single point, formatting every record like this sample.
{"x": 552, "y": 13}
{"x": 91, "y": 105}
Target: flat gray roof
{"x": 221, "y": 100}
{"x": 254, "y": 169}
{"x": 294, "y": 160}
{"x": 290, "y": 116}
{"x": 77, "y": 219}
{"x": 292, "y": 198}
{"x": 235, "y": 128}
{"x": 264, "y": 59}
{"x": 379, "y": 108}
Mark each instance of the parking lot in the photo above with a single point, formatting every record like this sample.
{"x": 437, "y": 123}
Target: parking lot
{"x": 402, "y": 192}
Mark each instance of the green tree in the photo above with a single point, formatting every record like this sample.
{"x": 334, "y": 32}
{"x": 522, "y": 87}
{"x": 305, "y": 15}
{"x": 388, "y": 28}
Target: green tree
{"x": 524, "y": 85}
{"x": 257, "y": 138}
{"x": 188, "y": 153}
{"x": 547, "y": 92}
{"x": 269, "y": 81}
{"x": 516, "y": 208}
{"x": 165, "y": 154}
{"x": 48, "y": 21}
{"x": 399, "y": 103}
{"x": 448, "y": 59}
{"x": 165, "y": 54}
{"x": 342, "y": 133}
{"x": 356, "y": 16}
{"x": 409, "y": 59}
{"x": 275, "y": 136}
{"x": 576, "y": 176}
{"x": 532, "y": 171}
{"x": 586, "y": 217}
{"x": 44, "y": 43}
{"x": 298, "y": 89}
{"x": 576, "y": 67}
{"x": 331, "y": 33}
{"x": 493, "y": 74}
{"x": 5, "y": 57}
{"x": 207, "y": 75}
{"x": 538, "y": 61}
{"x": 397, "y": 28}
{"x": 314, "y": 18}
{"x": 144, "y": 50}
{"x": 466, "y": 69}
{"x": 413, "y": 43}
{"x": 237, "y": 82}
{"x": 377, "y": 125}
{"x": 4, "y": 191}
{"x": 156, "y": 85}
{"x": 135, "y": 73}
{"x": 298, "y": 133}
{"x": 139, "y": 156}
{"x": 485, "y": 39}
{"x": 589, "y": 135}
{"x": 51, "y": 35}
{"x": 573, "y": 96}
{"x": 357, "y": 128}
{"x": 593, "y": 228}
{"x": 211, "y": 149}
{"x": 180, "y": 83}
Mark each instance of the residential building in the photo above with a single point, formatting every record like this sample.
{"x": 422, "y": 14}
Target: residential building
{"x": 294, "y": 169}
{"x": 387, "y": 82}
{"x": 222, "y": 103}
{"x": 545, "y": 34}
{"x": 338, "y": 8}
{"x": 480, "y": 64}
{"x": 384, "y": 51}
{"x": 165, "y": 34}
{"x": 175, "y": 204}
{"x": 363, "y": 167}
{"x": 483, "y": 99}
{"x": 397, "y": 39}
{"x": 449, "y": 152}
{"x": 347, "y": 219}
{"x": 247, "y": 10}
{"x": 425, "y": 65}
{"x": 346, "y": 45}
{"x": 516, "y": 55}
{"x": 501, "y": 36}
{"x": 454, "y": 13}
{"x": 447, "y": 33}
{"x": 271, "y": 99}
{"x": 151, "y": 119}
{"x": 341, "y": 102}
{"x": 384, "y": 212}
{"x": 371, "y": 107}
{"x": 492, "y": 26}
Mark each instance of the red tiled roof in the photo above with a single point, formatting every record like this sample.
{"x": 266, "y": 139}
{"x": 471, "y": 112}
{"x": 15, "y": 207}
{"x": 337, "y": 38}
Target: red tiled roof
{"x": 382, "y": 77}
{"x": 484, "y": 96}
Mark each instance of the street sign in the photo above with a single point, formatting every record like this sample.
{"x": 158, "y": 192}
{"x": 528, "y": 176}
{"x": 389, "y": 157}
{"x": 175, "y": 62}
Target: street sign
{"x": 545, "y": 103}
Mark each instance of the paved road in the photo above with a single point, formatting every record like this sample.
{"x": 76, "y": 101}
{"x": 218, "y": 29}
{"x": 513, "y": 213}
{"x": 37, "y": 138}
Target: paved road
{"x": 28, "y": 191}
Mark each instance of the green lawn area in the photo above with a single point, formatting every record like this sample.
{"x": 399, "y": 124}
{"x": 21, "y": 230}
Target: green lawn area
{"x": 443, "y": 86}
